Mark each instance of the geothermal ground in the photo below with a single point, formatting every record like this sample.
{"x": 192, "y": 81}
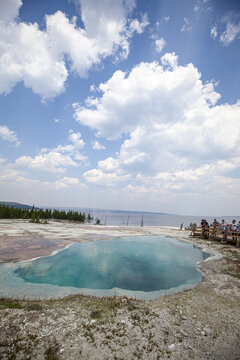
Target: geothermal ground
{"x": 202, "y": 323}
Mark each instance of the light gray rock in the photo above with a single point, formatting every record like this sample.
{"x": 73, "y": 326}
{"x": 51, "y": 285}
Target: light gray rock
{"x": 183, "y": 333}
{"x": 171, "y": 347}
{"x": 24, "y": 343}
{"x": 207, "y": 330}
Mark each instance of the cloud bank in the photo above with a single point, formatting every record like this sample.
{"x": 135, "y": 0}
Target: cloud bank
{"x": 56, "y": 160}
{"x": 178, "y": 137}
{"x": 38, "y": 57}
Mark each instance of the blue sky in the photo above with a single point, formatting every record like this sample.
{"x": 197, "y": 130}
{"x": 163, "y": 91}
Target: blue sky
{"x": 121, "y": 104}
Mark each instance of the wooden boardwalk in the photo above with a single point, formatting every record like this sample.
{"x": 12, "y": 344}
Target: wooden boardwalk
{"x": 211, "y": 233}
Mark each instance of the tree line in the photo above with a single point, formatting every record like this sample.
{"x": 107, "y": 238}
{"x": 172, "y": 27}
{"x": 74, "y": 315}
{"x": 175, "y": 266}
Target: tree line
{"x": 37, "y": 215}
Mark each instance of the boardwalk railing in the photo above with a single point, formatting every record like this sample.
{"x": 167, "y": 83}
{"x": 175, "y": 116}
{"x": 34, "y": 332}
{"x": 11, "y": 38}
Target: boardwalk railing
{"x": 224, "y": 236}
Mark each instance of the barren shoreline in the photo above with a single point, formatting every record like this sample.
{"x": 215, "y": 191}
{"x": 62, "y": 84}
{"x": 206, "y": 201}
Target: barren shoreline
{"x": 21, "y": 240}
{"x": 201, "y": 323}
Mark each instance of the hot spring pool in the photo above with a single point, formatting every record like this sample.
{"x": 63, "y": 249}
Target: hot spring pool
{"x": 145, "y": 267}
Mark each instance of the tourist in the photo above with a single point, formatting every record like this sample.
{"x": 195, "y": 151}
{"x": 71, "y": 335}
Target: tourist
{"x": 238, "y": 226}
{"x": 234, "y": 228}
{"x": 204, "y": 224}
{"x": 215, "y": 223}
{"x": 234, "y": 225}
{"x": 223, "y": 225}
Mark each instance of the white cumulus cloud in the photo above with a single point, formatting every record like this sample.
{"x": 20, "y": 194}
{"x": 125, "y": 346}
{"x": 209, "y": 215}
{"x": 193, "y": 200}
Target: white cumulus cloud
{"x": 25, "y": 56}
{"x": 97, "y": 146}
{"x": 177, "y": 133}
{"x": 232, "y": 31}
{"x": 76, "y": 139}
{"x": 52, "y": 161}
{"x": 138, "y": 26}
{"x": 38, "y": 57}
{"x": 56, "y": 160}
{"x": 8, "y": 135}
{"x": 227, "y": 30}
{"x": 97, "y": 176}
{"x": 65, "y": 182}
{"x": 9, "y": 10}
{"x": 159, "y": 44}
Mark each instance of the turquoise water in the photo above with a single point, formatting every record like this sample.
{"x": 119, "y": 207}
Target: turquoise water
{"x": 146, "y": 264}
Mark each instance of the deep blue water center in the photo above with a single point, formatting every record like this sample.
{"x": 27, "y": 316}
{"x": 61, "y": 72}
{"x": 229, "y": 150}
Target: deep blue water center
{"x": 149, "y": 263}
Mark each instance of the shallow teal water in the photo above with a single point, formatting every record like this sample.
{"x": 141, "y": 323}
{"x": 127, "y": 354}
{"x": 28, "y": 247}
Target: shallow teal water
{"x": 146, "y": 264}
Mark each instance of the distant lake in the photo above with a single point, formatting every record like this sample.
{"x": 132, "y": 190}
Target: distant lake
{"x": 140, "y": 266}
{"x": 134, "y": 218}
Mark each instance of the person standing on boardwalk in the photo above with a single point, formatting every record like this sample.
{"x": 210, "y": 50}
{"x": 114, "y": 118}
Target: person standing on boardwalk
{"x": 238, "y": 227}
{"x": 215, "y": 223}
{"x": 234, "y": 225}
{"x": 234, "y": 228}
{"x": 223, "y": 225}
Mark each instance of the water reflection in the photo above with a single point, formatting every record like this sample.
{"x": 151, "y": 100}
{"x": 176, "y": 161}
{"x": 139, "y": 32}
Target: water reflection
{"x": 136, "y": 263}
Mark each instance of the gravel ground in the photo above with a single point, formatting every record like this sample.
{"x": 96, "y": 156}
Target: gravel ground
{"x": 202, "y": 323}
